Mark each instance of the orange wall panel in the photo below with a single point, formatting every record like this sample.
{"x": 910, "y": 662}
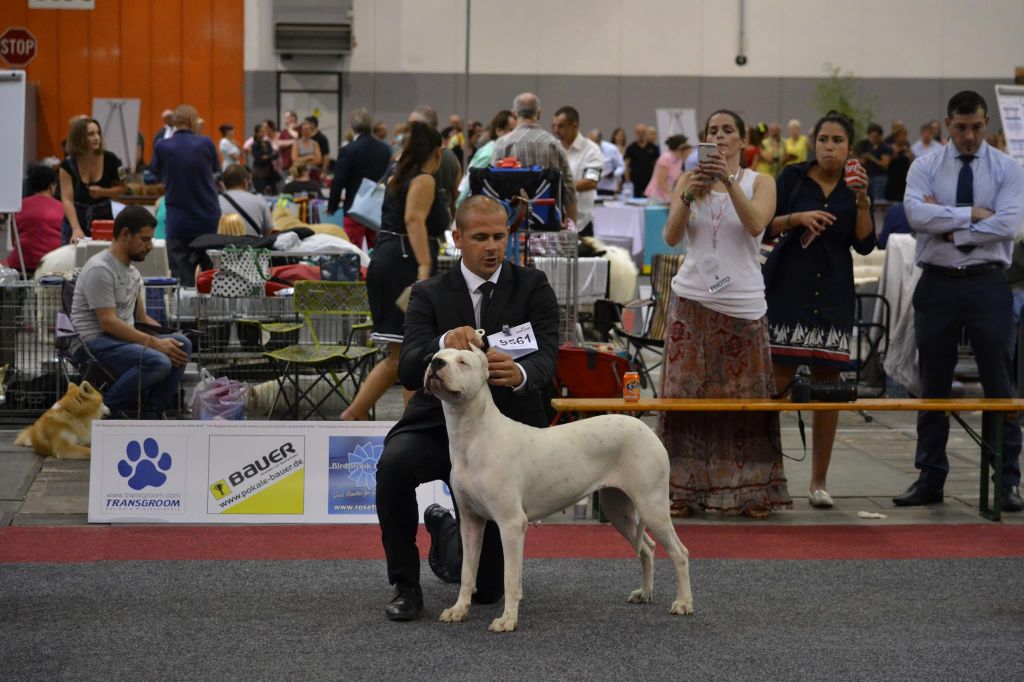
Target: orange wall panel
{"x": 228, "y": 29}
{"x": 135, "y": 68}
{"x": 163, "y": 52}
{"x": 165, "y": 48}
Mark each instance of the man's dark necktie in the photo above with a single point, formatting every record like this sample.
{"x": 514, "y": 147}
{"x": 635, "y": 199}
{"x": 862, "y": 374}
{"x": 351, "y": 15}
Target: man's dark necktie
{"x": 965, "y": 182}
{"x": 485, "y": 290}
{"x": 965, "y": 190}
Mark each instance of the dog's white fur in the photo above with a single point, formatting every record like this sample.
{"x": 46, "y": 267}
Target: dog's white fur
{"x": 512, "y": 473}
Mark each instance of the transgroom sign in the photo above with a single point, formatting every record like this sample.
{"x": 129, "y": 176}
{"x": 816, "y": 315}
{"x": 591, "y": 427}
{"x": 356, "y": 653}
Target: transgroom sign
{"x": 239, "y": 472}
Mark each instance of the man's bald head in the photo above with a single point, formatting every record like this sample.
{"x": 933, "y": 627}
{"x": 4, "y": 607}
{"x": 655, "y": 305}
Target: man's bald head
{"x": 526, "y": 105}
{"x": 424, "y": 114}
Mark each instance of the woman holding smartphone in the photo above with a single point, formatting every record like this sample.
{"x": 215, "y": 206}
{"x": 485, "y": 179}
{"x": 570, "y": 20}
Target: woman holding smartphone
{"x": 822, "y": 209}
{"x": 716, "y": 344}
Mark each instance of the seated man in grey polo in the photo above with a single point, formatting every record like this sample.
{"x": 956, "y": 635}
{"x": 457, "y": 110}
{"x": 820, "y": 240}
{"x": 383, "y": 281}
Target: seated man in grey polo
{"x": 109, "y": 300}
{"x": 238, "y": 199}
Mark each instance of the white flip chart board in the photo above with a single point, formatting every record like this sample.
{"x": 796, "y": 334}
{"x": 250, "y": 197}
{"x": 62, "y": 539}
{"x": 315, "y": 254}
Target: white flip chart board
{"x": 12, "y": 142}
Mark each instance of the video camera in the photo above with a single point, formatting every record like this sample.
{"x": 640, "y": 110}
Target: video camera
{"x": 804, "y": 391}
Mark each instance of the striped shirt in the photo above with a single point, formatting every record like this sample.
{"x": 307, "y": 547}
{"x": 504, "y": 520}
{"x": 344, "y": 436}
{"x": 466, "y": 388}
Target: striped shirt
{"x": 534, "y": 146}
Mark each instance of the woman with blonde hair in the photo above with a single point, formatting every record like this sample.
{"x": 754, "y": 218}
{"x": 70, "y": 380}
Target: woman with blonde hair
{"x": 89, "y": 178}
{"x": 795, "y": 145}
{"x": 232, "y": 224}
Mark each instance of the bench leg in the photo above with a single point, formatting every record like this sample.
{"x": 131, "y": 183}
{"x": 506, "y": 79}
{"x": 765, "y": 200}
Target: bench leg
{"x": 991, "y": 461}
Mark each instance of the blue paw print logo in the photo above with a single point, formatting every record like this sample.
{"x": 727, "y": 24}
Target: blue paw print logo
{"x": 144, "y": 465}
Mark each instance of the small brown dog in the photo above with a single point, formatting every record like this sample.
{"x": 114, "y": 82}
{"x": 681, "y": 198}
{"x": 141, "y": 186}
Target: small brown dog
{"x": 65, "y": 430}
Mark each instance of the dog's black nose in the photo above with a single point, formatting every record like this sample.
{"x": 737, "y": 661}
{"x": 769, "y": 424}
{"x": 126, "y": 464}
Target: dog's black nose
{"x": 437, "y": 363}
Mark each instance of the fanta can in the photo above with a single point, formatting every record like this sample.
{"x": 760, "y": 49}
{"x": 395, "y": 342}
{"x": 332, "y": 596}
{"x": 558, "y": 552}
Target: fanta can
{"x": 631, "y": 387}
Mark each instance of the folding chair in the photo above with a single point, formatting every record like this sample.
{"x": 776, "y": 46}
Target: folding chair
{"x": 646, "y": 330}
{"x": 73, "y": 354}
{"x": 336, "y": 309}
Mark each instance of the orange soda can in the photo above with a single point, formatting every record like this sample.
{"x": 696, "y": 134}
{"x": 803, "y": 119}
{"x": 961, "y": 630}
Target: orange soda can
{"x": 631, "y": 387}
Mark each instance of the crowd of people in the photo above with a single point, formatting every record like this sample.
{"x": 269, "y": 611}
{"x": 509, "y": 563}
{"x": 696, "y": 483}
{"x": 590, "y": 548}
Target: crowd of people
{"x": 736, "y": 329}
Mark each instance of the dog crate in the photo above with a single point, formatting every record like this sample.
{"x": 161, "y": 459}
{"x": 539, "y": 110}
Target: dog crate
{"x": 236, "y": 332}
{"x": 557, "y": 255}
{"x": 31, "y": 379}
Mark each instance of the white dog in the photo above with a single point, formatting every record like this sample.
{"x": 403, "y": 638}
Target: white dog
{"x": 512, "y": 473}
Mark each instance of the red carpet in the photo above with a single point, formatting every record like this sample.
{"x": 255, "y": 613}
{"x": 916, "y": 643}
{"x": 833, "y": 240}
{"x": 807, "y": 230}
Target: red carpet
{"x": 179, "y": 543}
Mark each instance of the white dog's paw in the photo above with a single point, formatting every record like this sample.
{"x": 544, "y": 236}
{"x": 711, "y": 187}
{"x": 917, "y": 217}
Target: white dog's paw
{"x": 681, "y": 608}
{"x": 639, "y": 597}
{"x": 455, "y": 614}
{"x": 505, "y": 623}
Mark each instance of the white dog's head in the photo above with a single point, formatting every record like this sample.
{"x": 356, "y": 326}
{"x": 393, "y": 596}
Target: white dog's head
{"x": 456, "y": 376}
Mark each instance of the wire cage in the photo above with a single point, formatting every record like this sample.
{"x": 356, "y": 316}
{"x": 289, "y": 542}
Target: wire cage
{"x": 235, "y": 333}
{"x": 231, "y": 338}
{"x": 557, "y": 254}
{"x": 31, "y": 380}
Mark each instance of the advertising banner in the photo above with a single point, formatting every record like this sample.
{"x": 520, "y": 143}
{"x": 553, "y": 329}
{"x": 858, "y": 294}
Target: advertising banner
{"x": 239, "y": 472}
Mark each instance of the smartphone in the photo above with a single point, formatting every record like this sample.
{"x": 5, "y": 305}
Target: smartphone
{"x": 704, "y": 150}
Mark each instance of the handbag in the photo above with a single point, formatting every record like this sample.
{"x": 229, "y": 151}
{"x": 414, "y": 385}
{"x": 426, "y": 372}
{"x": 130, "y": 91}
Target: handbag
{"x": 242, "y": 272}
{"x": 221, "y": 398}
{"x": 369, "y": 203}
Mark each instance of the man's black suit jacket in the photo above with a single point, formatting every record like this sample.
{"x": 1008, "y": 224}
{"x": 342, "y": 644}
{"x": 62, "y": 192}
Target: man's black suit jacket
{"x": 364, "y": 157}
{"x": 442, "y": 303}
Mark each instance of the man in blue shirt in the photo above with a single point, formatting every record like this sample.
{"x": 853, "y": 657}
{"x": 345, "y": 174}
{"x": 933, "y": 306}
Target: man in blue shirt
{"x": 186, "y": 163}
{"x": 966, "y": 204}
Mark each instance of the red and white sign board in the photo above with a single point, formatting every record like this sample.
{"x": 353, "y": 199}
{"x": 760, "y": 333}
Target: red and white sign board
{"x": 18, "y": 46}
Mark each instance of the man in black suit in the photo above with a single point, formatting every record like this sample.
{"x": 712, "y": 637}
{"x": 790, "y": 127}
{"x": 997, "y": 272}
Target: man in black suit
{"x": 363, "y": 157}
{"x": 444, "y": 312}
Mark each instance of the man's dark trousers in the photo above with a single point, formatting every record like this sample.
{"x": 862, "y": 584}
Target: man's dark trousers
{"x": 409, "y": 459}
{"x": 946, "y": 306}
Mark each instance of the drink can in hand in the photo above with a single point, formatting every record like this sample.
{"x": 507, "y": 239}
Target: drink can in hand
{"x": 631, "y": 387}
{"x": 851, "y": 173}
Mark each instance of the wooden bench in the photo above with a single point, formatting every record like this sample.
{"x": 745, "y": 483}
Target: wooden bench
{"x": 990, "y": 440}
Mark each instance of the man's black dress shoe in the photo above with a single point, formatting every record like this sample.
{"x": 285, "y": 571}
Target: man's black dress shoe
{"x": 1012, "y": 501}
{"x": 407, "y": 603}
{"x": 436, "y": 518}
{"x": 917, "y": 495}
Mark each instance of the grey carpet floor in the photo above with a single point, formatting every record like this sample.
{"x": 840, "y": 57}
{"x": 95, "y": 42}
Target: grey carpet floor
{"x": 858, "y": 620}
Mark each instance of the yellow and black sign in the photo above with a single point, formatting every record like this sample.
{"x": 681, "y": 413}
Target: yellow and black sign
{"x": 220, "y": 489}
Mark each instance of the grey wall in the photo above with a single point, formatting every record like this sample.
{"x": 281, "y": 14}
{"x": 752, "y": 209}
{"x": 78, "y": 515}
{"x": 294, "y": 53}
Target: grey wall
{"x": 607, "y": 102}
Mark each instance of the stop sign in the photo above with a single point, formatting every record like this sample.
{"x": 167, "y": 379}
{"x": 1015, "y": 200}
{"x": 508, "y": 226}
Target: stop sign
{"x": 18, "y": 46}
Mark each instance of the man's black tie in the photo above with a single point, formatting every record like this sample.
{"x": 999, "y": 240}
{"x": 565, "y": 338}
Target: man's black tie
{"x": 485, "y": 290}
{"x": 965, "y": 182}
{"x": 965, "y": 190}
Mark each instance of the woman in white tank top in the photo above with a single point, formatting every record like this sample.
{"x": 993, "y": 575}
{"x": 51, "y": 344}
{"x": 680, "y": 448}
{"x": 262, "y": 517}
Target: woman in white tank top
{"x": 716, "y": 345}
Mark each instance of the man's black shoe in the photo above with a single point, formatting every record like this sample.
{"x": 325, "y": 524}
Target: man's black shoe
{"x": 1012, "y": 501}
{"x": 436, "y": 518}
{"x": 407, "y": 603}
{"x": 917, "y": 495}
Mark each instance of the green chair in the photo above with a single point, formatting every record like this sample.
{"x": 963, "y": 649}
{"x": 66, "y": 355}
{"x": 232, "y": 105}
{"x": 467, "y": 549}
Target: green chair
{"x": 337, "y": 354}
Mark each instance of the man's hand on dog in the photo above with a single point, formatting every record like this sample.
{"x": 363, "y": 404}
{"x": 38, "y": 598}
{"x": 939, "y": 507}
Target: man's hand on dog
{"x": 503, "y": 370}
{"x": 462, "y": 338}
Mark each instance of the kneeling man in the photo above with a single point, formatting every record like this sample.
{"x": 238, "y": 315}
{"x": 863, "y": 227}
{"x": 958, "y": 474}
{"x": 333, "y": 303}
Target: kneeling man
{"x": 483, "y": 291}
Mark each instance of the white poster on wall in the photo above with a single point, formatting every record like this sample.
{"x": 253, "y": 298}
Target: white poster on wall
{"x": 677, "y": 122}
{"x": 1010, "y": 102}
{"x": 119, "y": 121}
{"x": 239, "y": 472}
